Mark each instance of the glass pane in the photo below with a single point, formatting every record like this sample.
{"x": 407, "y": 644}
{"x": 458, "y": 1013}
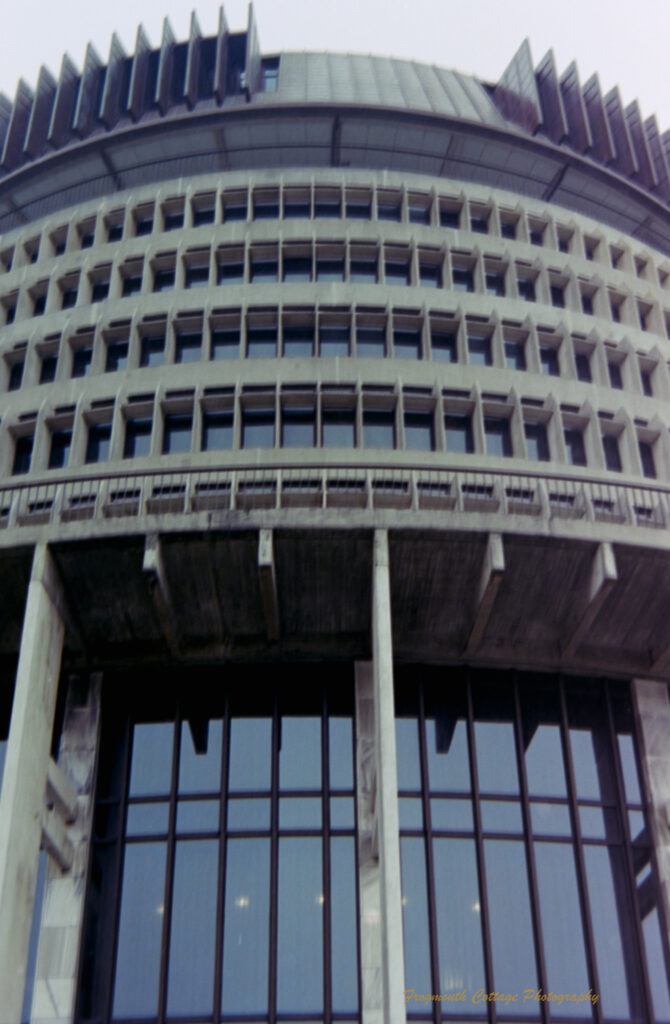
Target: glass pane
{"x": 415, "y": 914}
{"x": 341, "y": 753}
{"x": 544, "y": 758}
{"x": 410, "y": 812}
{"x": 151, "y": 767}
{"x": 496, "y": 757}
{"x": 140, "y": 931}
{"x": 407, "y": 753}
{"x": 451, "y": 815}
{"x": 193, "y": 926}
{"x": 629, "y": 767}
{"x": 200, "y": 772}
{"x": 501, "y": 816}
{"x": 300, "y": 926}
{"x": 550, "y": 819}
{"x": 447, "y": 752}
{"x": 300, "y": 753}
{"x": 612, "y": 932}
{"x": 147, "y": 819}
{"x": 457, "y": 906}
{"x": 250, "y": 735}
{"x": 564, "y": 952}
{"x": 342, "y": 812}
{"x": 246, "y": 926}
{"x": 510, "y": 921}
{"x": 599, "y": 823}
{"x": 248, "y": 815}
{"x": 658, "y": 978}
{"x": 197, "y": 816}
{"x": 343, "y": 924}
{"x": 591, "y": 763}
{"x": 300, "y": 812}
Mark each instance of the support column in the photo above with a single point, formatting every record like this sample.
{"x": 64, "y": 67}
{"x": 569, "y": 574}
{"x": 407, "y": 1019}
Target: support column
{"x": 386, "y": 795}
{"x": 652, "y": 707}
{"x": 54, "y": 994}
{"x": 25, "y": 776}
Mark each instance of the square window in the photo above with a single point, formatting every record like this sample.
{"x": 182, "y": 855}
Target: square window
{"x": 60, "y": 448}
{"x": 234, "y": 212}
{"x": 430, "y": 275}
{"x": 389, "y": 211}
{"x": 614, "y": 370}
{"x": 230, "y": 272}
{"x": 117, "y": 356}
{"x": 498, "y": 436}
{"x": 264, "y": 271}
{"x": 462, "y": 279}
{"x": 39, "y": 305}
{"x": 334, "y": 340}
{"x": 536, "y": 236}
{"x": 86, "y": 239}
{"x": 612, "y": 454}
{"x": 359, "y": 211}
{"x": 225, "y": 344}
{"x": 407, "y": 344}
{"x": 15, "y": 376}
{"x": 362, "y": 271}
{"x": 258, "y": 428}
{"x": 48, "y": 368}
{"x": 458, "y": 433}
{"x": 558, "y": 296}
{"x": 647, "y": 459}
{"x": 479, "y": 351}
{"x": 164, "y": 279}
{"x": 23, "y": 452}
{"x": 549, "y": 360}
{"x": 396, "y": 271}
{"x": 419, "y": 431}
{"x": 515, "y": 355}
{"x": 297, "y": 268}
{"x": 114, "y": 232}
{"x": 563, "y": 244}
{"x": 144, "y": 226}
{"x": 177, "y": 434}
{"x": 298, "y": 428}
{"x": 418, "y": 213}
{"x": 338, "y": 428}
{"x": 508, "y": 229}
{"x": 100, "y": 290}
{"x": 188, "y": 347}
{"x": 173, "y": 220}
{"x": 330, "y": 270}
{"x": 81, "y": 360}
{"x": 261, "y": 342}
{"x": 574, "y": 446}
{"x": 328, "y": 208}
{"x": 132, "y": 285}
{"x": 526, "y": 289}
{"x": 69, "y": 298}
{"x": 152, "y": 351}
{"x": 371, "y": 342}
{"x": 217, "y": 431}
{"x": 479, "y": 224}
{"x": 137, "y": 442}
{"x": 196, "y": 275}
{"x": 296, "y": 209}
{"x": 537, "y": 445}
{"x": 443, "y": 347}
{"x": 495, "y": 284}
{"x": 266, "y": 209}
{"x": 202, "y": 215}
{"x": 583, "y": 367}
{"x": 378, "y": 429}
{"x": 298, "y": 341}
{"x": 98, "y": 443}
{"x": 450, "y": 218}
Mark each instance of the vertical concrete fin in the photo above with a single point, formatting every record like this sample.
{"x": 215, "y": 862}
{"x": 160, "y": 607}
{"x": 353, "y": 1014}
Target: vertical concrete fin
{"x": 86, "y": 111}
{"x": 579, "y": 130}
{"x": 602, "y": 579}
{"x": 165, "y": 61}
{"x": 624, "y": 160}
{"x": 153, "y": 567}
{"x": 113, "y": 104}
{"x": 192, "y": 62}
{"x": 40, "y": 116}
{"x": 62, "y": 115}
{"x": 646, "y": 174}
{"x": 554, "y": 120}
{"x": 658, "y": 155}
{"x": 603, "y": 143}
{"x": 516, "y": 94}
{"x": 12, "y": 151}
{"x": 138, "y": 75}
{"x": 490, "y": 579}
{"x": 221, "y": 62}
{"x": 252, "y": 67}
{"x": 268, "y": 582}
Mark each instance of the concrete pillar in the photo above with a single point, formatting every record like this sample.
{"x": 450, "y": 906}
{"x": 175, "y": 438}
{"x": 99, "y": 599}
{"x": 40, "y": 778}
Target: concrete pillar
{"x": 23, "y": 791}
{"x": 386, "y": 794}
{"x": 54, "y": 994}
{"x": 652, "y": 707}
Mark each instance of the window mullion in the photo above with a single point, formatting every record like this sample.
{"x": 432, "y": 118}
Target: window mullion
{"x": 169, "y": 871}
{"x": 430, "y": 860}
{"x": 223, "y": 850}
{"x": 325, "y": 839}
{"x": 274, "y": 864}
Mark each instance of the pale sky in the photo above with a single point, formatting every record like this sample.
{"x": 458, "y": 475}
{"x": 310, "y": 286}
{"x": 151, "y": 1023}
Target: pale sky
{"x": 626, "y": 43}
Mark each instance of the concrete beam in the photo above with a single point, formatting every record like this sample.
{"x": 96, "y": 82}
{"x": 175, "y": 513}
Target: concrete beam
{"x": 603, "y": 577}
{"x": 268, "y": 582}
{"x": 489, "y": 583}
{"x": 61, "y": 794}
{"x": 55, "y": 839}
{"x": 386, "y": 793}
{"x": 26, "y": 768}
{"x": 153, "y": 567}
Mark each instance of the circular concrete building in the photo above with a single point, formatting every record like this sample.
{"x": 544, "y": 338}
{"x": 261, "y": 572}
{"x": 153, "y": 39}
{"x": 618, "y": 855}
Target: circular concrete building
{"x": 335, "y": 542}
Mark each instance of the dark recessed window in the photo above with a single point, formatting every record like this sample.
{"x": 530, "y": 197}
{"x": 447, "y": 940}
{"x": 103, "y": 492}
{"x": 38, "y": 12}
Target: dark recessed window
{"x": 59, "y": 452}
{"x": 177, "y": 434}
{"x": 549, "y": 360}
{"x": 371, "y": 341}
{"x": 117, "y": 356}
{"x": 196, "y": 275}
{"x": 418, "y": 213}
{"x": 258, "y": 428}
{"x": 480, "y": 225}
{"x": 202, "y": 215}
{"x": 479, "y": 350}
{"x": 615, "y": 309}
{"x": 297, "y": 209}
{"x": 498, "y": 436}
{"x": 419, "y": 431}
{"x": 515, "y": 355}
{"x": 508, "y": 229}
{"x": 378, "y": 429}
{"x": 396, "y": 271}
{"x": 583, "y": 367}
{"x": 564, "y": 245}
{"x": 450, "y": 218}
{"x": 188, "y": 347}
{"x": 39, "y": 305}
{"x": 217, "y": 431}
{"x": 144, "y": 226}
{"x": 264, "y": 271}
{"x": 297, "y": 268}
{"x": 462, "y": 279}
{"x": 338, "y": 428}
{"x": 114, "y": 232}
{"x": 574, "y": 446}
{"x": 495, "y": 284}
{"x": 100, "y": 290}
{"x": 612, "y": 454}
{"x": 537, "y": 445}
{"x": 458, "y": 433}
{"x": 298, "y": 340}
{"x": 330, "y": 269}
{"x": 23, "y": 452}
{"x": 230, "y": 272}
{"x": 359, "y": 211}
{"x": 298, "y": 428}
{"x": 87, "y": 239}
{"x": 536, "y": 236}
{"x": 173, "y": 220}
{"x": 614, "y": 370}
{"x": 48, "y": 368}
{"x": 647, "y": 386}
{"x": 164, "y": 279}
{"x": 266, "y": 209}
{"x": 327, "y": 208}
{"x": 407, "y": 344}
{"x": 443, "y": 347}
{"x": 132, "y": 285}
{"x": 225, "y": 344}
{"x": 234, "y": 212}
{"x": 81, "y": 360}
{"x": 15, "y": 375}
{"x": 587, "y": 303}
{"x": 10, "y": 313}
{"x": 362, "y": 271}
{"x": 557, "y": 295}
{"x": 334, "y": 340}
{"x": 69, "y": 298}
{"x": 152, "y": 351}
{"x": 261, "y": 342}
{"x": 430, "y": 275}
{"x": 526, "y": 289}
{"x": 98, "y": 442}
{"x": 388, "y": 211}
{"x": 137, "y": 441}
{"x": 647, "y": 459}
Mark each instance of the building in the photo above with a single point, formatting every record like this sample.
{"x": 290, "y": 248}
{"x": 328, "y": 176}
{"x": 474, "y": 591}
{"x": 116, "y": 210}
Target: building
{"x": 334, "y": 440}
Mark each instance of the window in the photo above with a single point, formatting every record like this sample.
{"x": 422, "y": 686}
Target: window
{"x": 587, "y": 303}
{"x": 515, "y": 355}
{"x": 217, "y": 431}
{"x": 363, "y": 271}
{"x": 296, "y": 207}
{"x": 526, "y": 289}
{"x": 230, "y": 270}
{"x": 115, "y": 231}
{"x": 479, "y": 350}
{"x": 497, "y": 435}
{"x": 234, "y": 211}
{"x": 269, "y": 74}
{"x": 611, "y": 450}
{"x": 388, "y": 211}
{"x": 646, "y": 379}
{"x": 558, "y": 295}
{"x": 327, "y": 206}
{"x": 177, "y": 434}
{"x": 537, "y": 445}
{"x": 264, "y": 271}
{"x": 371, "y": 341}
{"x": 188, "y": 347}
{"x": 203, "y": 214}
{"x": 443, "y": 347}
{"x": 430, "y": 275}
{"x": 225, "y": 344}
{"x": 418, "y": 213}
{"x": 132, "y": 284}
{"x": 495, "y": 283}
{"x": 419, "y": 431}
{"x": 615, "y": 308}
{"x": 536, "y": 234}
{"x": 266, "y": 208}
{"x": 358, "y": 209}
{"x": 86, "y": 238}
{"x": 39, "y": 305}
{"x": 152, "y": 350}
{"x": 258, "y": 428}
{"x": 173, "y": 220}
{"x": 60, "y": 448}
{"x": 479, "y": 223}
{"x": 549, "y": 360}
{"x": 406, "y": 344}
{"x": 574, "y": 446}
{"x": 23, "y": 453}
{"x": 164, "y": 279}
{"x": 298, "y": 340}
{"x": 81, "y": 360}
{"x": 378, "y": 428}
{"x": 334, "y": 340}
{"x": 330, "y": 269}
{"x": 298, "y": 427}
{"x": 48, "y": 367}
{"x": 462, "y": 279}
{"x": 508, "y": 228}
{"x": 583, "y": 367}
{"x": 396, "y": 271}
{"x": 98, "y": 442}
{"x": 144, "y": 224}
{"x": 297, "y": 268}
{"x": 138, "y": 438}
{"x": 196, "y": 275}
{"x": 117, "y": 356}
{"x": 100, "y": 289}
{"x": 69, "y": 298}
{"x": 614, "y": 371}
{"x": 338, "y": 428}
{"x": 261, "y": 342}
{"x": 450, "y": 218}
{"x": 647, "y": 459}
{"x": 15, "y": 375}
{"x": 458, "y": 433}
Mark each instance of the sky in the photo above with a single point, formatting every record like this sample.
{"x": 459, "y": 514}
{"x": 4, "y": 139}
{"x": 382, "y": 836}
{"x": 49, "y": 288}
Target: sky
{"x": 625, "y": 43}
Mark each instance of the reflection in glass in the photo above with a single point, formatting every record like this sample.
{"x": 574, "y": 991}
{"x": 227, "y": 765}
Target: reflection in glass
{"x": 501, "y": 816}
{"x": 544, "y": 761}
{"x": 496, "y": 757}
{"x": 248, "y": 815}
{"x": 550, "y": 819}
{"x": 140, "y": 931}
{"x": 447, "y": 750}
{"x": 300, "y": 926}
{"x": 415, "y": 914}
{"x": 631, "y": 778}
{"x": 407, "y": 753}
{"x": 246, "y": 926}
{"x": 410, "y": 812}
{"x": 197, "y": 815}
{"x": 300, "y": 812}
{"x": 151, "y": 767}
{"x": 451, "y": 815}
{"x": 192, "y": 932}
{"x": 147, "y": 819}
{"x": 341, "y": 812}
{"x": 300, "y": 753}
{"x": 200, "y": 772}
{"x": 340, "y": 738}
{"x": 343, "y": 925}
{"x": 599, "y": 823}
{"x": 249, "y": 735}
{"x": 458, "y": 915}
{"x": 510, "y": 920}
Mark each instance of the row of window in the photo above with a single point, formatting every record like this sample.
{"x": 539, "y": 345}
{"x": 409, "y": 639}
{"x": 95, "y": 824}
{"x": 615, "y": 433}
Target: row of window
{"x": 292, "y": 202}
{"x": 328, "y": 333}
{"x": 337, "y": 262}
{"x": 336, "y": 417}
